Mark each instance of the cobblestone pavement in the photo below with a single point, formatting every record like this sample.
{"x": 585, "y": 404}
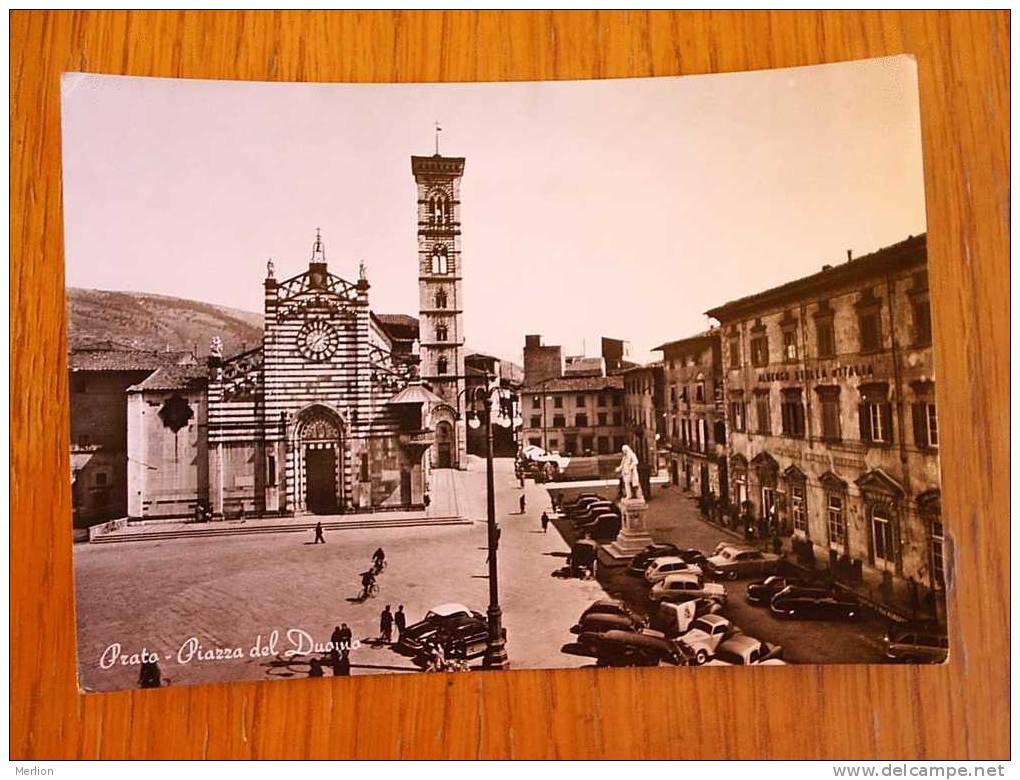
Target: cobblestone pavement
{"x": 231, "y": 592}
{"x": 803, "y": 641}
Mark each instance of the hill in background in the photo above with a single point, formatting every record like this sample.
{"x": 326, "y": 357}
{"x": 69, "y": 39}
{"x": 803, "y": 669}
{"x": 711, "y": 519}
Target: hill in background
{"x": 152, "y": 322}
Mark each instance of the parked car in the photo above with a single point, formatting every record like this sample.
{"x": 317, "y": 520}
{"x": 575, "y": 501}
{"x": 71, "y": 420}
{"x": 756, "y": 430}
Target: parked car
{"x": 734, "y": 562}
{"x": 607, "y": 607}
{"x": 674, "y": 619}
{"x": 592, "y": 511}
{"x": 640, "y": 561}
{"x": 626, "y": 648}
{"x": 582, "y": 504}
{"x": 685, "y": 587}
{"x": 692, "y": 555}
{"x": 605, "y": 527}
{"x": 583, "y": 554}
{"x": 744, "y": 650}
{"x": 600, "y": 622}
{"x": 916, "y": 643}
{"x": 662, "y": 567}
{"x": 700, "y": 641}
{"x": 415, "y": 638}
{"x": 568, "y": 505}
{"x": 814, "y": 603}
{"x": 762, "y": 590}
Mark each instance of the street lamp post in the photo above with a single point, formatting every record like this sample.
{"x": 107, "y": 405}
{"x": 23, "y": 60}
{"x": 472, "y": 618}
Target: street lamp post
{"x": 495, "y": 652}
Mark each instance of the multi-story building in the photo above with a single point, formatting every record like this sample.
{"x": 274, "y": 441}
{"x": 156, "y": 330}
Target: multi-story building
{"x": 830, "y": 387}
{"x": 644, "y": 412}
{"x": 695, "y": 418}
{"x": 569, "y": 405}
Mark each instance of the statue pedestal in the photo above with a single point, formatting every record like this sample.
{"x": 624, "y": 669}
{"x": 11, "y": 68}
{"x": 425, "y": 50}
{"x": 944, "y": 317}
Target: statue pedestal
{"x": 633, "y": 537}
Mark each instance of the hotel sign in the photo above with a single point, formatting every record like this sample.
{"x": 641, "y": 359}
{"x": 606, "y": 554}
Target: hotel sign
{"x": 822, "y": 372}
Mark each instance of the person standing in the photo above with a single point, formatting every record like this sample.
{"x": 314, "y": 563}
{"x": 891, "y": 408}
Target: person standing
{"x": 344, "y": 637}
{"x": 315, "y": 668}
{"x": 342, "y": 665}
{"x": 150, "y": 675}
{"x": 386, "y": 624}
{"x": 523, "y": 504}
{"x": 400, "y": 618}
{"x": 545, "y": 522}
{"x": 319, "y": 538}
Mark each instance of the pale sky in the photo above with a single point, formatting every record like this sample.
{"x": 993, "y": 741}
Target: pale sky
{"x": 623, "y": 208}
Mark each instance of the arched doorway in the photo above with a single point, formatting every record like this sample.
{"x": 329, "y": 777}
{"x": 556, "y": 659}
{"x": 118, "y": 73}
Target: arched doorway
{"x": 321, "y": 453}
{"x": 444, "y": 445}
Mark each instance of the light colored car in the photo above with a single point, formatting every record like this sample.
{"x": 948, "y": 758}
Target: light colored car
{"x": 700, "y": 641}
{"x": 744, "y": 650}
{"x": 734, "y": 562}
{"x": 685, "y": 587}
{"x": 662, "y": 567}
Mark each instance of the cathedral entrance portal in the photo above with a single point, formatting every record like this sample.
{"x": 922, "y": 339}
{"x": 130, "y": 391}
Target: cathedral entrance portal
{"x": 320, "y": 490}
{"x": 321, "y": 461}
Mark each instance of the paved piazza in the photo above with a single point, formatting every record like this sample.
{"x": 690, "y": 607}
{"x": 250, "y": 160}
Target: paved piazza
{"x": 228, "y": 591}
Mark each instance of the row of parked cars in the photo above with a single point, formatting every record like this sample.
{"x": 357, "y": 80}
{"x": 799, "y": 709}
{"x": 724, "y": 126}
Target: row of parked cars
{"x": 689, "y": 634}
{"x": 677, "y": 574}
{"x": 594, "y": 516}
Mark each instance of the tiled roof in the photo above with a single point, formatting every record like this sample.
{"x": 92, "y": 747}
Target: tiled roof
{"x": 125, "y": 359}
{"x": 911, "y": 250}
{"x": 173, "y": 378}
{"x": 576, "y": 384}
{"x": 688, "y": 341}
{"x": 401, "y": 327}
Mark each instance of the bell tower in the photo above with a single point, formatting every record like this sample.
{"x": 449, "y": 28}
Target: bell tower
{"x": 440, "y": 321}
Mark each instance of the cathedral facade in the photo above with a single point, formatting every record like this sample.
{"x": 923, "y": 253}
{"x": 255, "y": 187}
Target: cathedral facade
{"x": 338, "y": 410}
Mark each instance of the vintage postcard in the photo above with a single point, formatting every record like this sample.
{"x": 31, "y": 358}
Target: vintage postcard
{"x": 392, "y": 379}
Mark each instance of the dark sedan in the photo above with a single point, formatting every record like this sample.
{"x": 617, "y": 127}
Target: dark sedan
{"x": 445, "y": 618}
{"x": 761, "y": 591}
{"x": 795, "y": 602}
{"x": 626, "y": 648}
{"x": 600, "y": 622}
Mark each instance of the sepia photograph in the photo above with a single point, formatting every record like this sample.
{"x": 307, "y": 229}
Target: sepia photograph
{"x": 421, "y": 378}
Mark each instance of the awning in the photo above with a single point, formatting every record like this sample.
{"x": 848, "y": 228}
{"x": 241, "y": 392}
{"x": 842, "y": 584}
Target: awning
{"x": 415, "y": 394}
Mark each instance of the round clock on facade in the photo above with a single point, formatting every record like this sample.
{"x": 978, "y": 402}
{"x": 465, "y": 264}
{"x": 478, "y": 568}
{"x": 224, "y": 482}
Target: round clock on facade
{"x": 317, "y": 340}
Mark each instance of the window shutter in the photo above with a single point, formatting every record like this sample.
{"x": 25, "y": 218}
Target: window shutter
{"x": 920, "y": 429}
{"x": 887, "y": 414}
{"x": 862, "y": 416}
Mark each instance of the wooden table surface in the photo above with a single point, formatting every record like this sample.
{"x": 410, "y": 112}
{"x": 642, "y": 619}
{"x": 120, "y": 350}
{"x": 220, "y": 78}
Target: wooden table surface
{"x": 957, "y": 711}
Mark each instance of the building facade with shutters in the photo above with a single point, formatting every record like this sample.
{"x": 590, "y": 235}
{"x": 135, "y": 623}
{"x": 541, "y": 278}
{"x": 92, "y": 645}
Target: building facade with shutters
{"x": 832, "y": 428}
{"x": 695, "y": 418}
{"x": 644, "y": 412}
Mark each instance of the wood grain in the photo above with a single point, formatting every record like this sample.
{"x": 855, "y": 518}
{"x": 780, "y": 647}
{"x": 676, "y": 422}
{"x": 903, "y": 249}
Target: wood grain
{"x": 957, "y": 711}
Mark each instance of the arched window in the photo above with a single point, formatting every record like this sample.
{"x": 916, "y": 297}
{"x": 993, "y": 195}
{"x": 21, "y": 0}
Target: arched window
{"x": 440, "y": 262}
{"x": 441, "y": 366}
{"x": 431, "y": 209}
{"x": 441, "y": 299}
{"x": 441, "y": 333}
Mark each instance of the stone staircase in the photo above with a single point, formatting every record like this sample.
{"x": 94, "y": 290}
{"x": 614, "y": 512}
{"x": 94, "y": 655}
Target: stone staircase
{"x": 140, "y": 533}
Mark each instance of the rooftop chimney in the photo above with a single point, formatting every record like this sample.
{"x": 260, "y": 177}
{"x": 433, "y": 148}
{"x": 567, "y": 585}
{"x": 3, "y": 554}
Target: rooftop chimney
{"x": 849, "y": 255}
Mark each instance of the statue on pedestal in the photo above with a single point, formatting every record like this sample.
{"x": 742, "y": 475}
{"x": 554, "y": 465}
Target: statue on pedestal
{"x": 216, "y": 347}
{"x": 628, "y": 471}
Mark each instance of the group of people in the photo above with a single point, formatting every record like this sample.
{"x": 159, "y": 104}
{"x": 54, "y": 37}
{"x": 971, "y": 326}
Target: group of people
{"x": 388, "y": 619}
{"x": 339, "y": 654}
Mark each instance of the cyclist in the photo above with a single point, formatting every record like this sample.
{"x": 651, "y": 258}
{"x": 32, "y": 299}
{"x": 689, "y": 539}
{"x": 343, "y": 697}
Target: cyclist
{"x": 379, "y": 559}
{"x": 367, "y": 583}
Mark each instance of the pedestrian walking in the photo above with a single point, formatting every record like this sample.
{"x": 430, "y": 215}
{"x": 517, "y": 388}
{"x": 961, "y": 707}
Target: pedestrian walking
{"x": 386, "y": 624}
{"x": 319, "y": 538}
{"x": 400, "y": 618}
{"x": 523, "y": 504}
{"x": 545, "y": 522}
{"x": 336, "y": 640}
{"x": 315, "y": 668}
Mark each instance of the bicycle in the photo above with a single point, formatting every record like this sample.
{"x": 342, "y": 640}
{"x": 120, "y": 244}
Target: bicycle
{"x": 370, "y": 591}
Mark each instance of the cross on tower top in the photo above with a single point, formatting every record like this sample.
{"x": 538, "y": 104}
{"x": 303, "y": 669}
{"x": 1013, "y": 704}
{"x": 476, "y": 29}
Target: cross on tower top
{"x": 318, "y": 250}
